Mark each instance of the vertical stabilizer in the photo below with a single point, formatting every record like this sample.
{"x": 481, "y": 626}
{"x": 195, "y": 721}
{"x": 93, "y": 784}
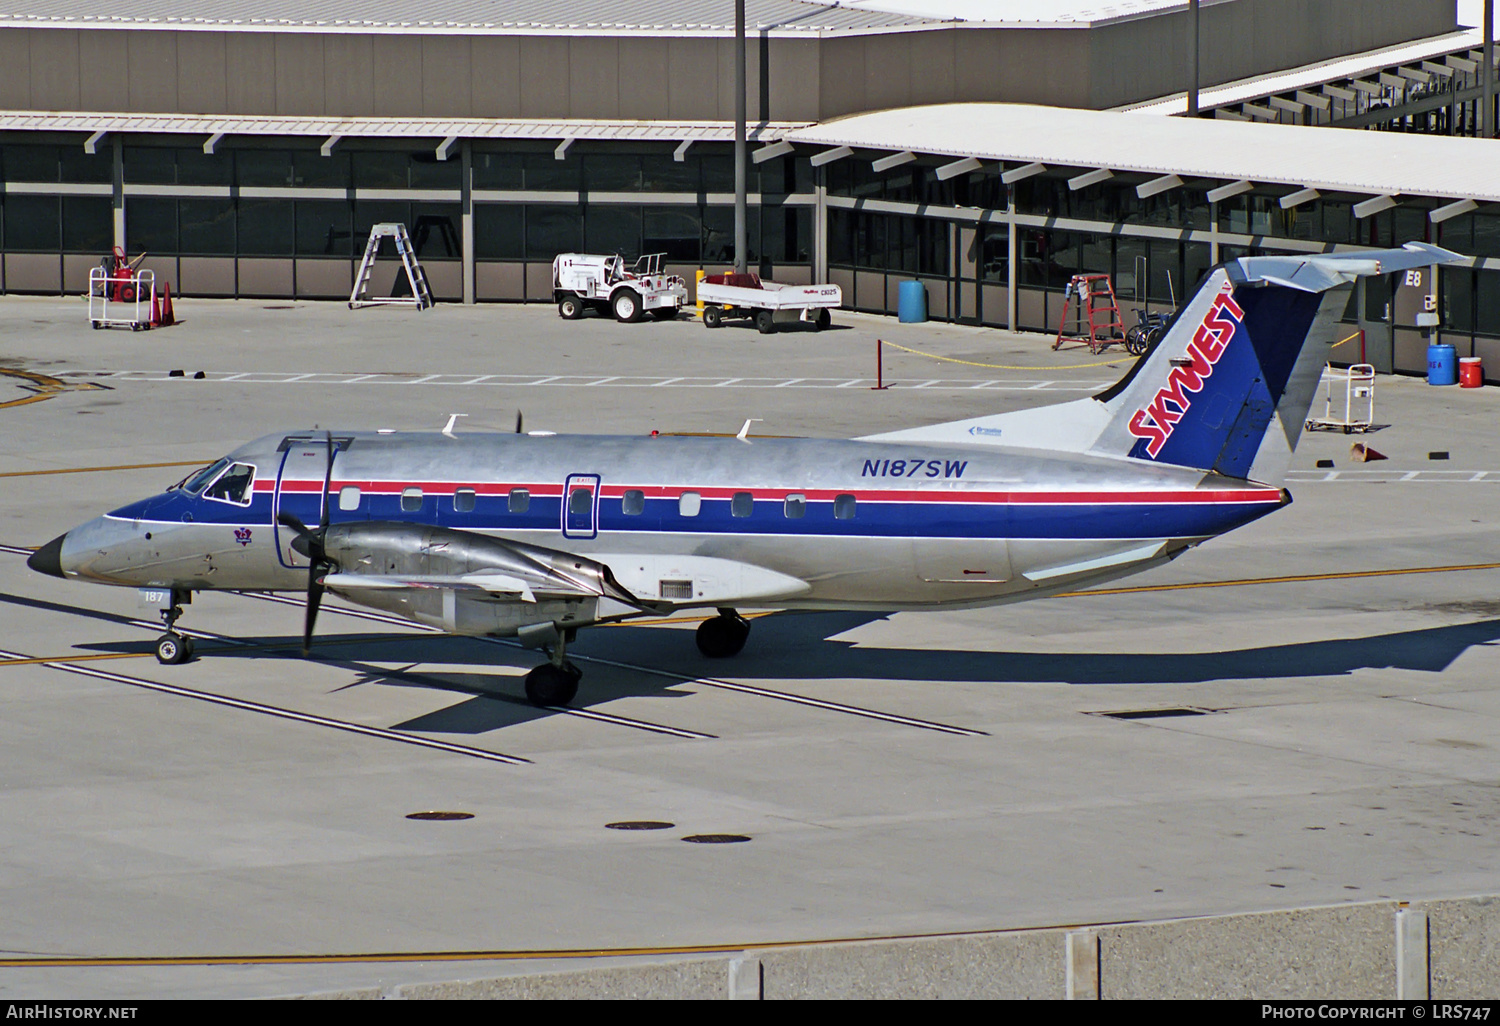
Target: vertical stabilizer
{"x": 1227, "y": 388}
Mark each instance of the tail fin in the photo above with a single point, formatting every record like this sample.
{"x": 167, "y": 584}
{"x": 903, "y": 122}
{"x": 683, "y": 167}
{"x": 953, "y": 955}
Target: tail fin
{"x": 1228, "y": 386}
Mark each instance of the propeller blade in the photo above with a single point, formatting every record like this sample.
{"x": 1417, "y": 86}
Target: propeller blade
{"x": 327, "y": 479}
{"x": 289, "y": 520}
{"x": 518, "y": 422}
{"x": 314, "y": 599}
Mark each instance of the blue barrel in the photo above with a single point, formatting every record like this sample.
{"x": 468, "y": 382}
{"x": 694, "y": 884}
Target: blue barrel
{"x": 1442, "y": 364}
{"x": 911, "y": 307}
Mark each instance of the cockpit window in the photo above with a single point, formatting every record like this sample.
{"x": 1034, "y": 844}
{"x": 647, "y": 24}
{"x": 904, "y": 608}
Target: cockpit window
{"x": 233, "y": 485}
{"x": 195, "y": 482}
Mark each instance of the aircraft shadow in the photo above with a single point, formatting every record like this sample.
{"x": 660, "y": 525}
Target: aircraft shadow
{"x": 793, "y": 645}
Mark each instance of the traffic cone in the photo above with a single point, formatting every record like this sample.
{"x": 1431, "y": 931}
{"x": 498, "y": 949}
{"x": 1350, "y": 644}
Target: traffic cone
{"x": 1359, "y": 452}
{"x": 167, "y": 317}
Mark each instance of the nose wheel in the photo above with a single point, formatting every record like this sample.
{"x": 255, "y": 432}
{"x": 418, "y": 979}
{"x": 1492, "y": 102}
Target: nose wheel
{"x": 723, "y": 635}
{"x": 173, "y": 648}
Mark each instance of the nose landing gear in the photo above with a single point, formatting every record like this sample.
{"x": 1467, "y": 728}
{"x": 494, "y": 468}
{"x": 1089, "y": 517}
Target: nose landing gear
{"x": 173, "y": 648}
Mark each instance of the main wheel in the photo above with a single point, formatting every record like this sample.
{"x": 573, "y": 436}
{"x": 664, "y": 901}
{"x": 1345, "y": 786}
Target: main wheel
{"x": 173, "y": 648}
{"x": 570, "y": 308}
{"x": 665, "y": 313}
{"x": 822, "y": 319}
{"x": 765, "y": 323}
{"x": 627, "y": 306}
{"x": 713, "y": 316}
{"x": 723, "y": 636}
{"x": 549, "y": 685}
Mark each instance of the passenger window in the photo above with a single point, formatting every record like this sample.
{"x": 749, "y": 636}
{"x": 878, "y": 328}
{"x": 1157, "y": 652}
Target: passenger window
{"x": 348, "y": 498}
{"x": 843, "y": 507}
{"x": 411, "y": 500}
{"x": 634, "y": 502}
{"x": 742, "y": 504}
{"x": 795, "y": 507}
{"x": 463, "y": 500}
{"x": 519, "y": 500}
{"x": 580, "y": 501}
{"x": 688, "y": 504}
{"x": 233, "y": 485}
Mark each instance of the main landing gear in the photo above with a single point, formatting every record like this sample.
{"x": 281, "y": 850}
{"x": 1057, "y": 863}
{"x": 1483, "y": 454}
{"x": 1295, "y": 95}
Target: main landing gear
{"x": 724, "y": 635}
{"x": 555, "y": 682}
{"x": 173, "y": 648}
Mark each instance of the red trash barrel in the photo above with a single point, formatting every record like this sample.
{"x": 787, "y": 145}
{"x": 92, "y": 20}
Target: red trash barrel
{"x": 1470, "y": 372}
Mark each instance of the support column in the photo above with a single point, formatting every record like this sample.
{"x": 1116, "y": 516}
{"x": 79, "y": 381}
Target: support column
{"x": 1213, "y": 234}
{"x": 467, "y": 151}
{"x": 117, "y": 150}
{"x": 1487, "y": 75}
{"x": 1011, "y": 250}
{"x": 820, "y": 226}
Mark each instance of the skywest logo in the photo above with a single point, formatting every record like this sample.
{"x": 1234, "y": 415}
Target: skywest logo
{"x": 1156, "y": 422}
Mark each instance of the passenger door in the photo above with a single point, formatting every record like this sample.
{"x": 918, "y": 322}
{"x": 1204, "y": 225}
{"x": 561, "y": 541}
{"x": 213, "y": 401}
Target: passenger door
{"x": 580, "y": 516}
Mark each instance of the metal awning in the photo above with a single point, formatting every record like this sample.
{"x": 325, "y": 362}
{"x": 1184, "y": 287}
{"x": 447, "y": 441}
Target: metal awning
{"x": 1026, "y": 138}
{"x": 438, "y": 129}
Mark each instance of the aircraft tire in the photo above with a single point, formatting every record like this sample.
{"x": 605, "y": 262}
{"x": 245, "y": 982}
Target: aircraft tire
{"x": 172, "y": 649}
{"x": 627, "y": 306}
{"x": 765, "y": 322}
{"x": 713, "y": 316}
{"x": 549, "y": 685}
{"x": 570, "y": 308}
{"x": 722, "y": 636}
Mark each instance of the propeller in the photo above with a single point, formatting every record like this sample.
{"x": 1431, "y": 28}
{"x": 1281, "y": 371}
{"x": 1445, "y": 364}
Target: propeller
{"x": 310, "y": 543}
{"x": 518, "y": 422}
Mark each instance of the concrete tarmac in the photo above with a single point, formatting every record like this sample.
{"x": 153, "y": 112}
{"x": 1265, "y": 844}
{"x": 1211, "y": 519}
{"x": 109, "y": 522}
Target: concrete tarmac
{"x": 1333, "y": 740}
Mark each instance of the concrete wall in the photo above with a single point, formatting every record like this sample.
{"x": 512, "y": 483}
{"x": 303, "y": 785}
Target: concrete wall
{"x": 633, "y": 76}
{"x": 1445, "y": 950}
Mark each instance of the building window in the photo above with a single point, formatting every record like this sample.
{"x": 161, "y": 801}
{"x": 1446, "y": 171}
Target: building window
{"x": 32, "y": 223}
{"x": 324, "y": 228}
{"x": 205, "y": 227}
{"x": 266, "y": 227}
{"x": 499, "y": 231}
{"x": 87, "y": 224}
{"x": 551, "y": 230}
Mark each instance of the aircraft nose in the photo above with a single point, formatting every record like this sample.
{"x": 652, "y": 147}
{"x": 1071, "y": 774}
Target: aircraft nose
{"x": 48, "y": 558}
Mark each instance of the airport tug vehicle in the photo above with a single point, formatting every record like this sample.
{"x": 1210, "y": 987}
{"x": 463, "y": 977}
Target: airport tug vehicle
{"x": 583, "y": 280}
{"x": 745, "y": 295}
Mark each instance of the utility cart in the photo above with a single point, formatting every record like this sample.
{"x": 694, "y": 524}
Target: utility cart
{"x": 1358, "y": 413}
{"x": 581, "y": 281}
{"x": 121, "y": 297}
{"x": 744, "y": 295}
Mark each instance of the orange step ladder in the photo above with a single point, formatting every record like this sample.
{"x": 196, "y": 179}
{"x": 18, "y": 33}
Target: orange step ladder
{"x": 1096, "y": 314}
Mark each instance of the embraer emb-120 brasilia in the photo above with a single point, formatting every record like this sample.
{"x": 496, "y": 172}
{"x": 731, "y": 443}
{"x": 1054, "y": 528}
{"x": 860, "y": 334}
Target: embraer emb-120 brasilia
{"x": 536, "y": 537}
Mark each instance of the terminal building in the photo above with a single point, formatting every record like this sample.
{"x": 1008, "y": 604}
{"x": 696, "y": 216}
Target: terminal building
{"x": 991, "y": 148}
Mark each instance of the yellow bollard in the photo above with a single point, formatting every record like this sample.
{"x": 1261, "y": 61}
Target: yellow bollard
{"x": 698, "y": 277}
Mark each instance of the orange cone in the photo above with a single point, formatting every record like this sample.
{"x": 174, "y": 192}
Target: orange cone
{"x": 1359, "y": 452}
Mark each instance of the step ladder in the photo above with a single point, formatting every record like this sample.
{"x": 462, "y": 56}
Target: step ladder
{"x": 1096, "y": 314}
{"x": 421, "y": 294}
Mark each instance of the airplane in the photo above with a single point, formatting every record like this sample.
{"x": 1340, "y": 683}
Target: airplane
{"x": 534, "y": 536}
